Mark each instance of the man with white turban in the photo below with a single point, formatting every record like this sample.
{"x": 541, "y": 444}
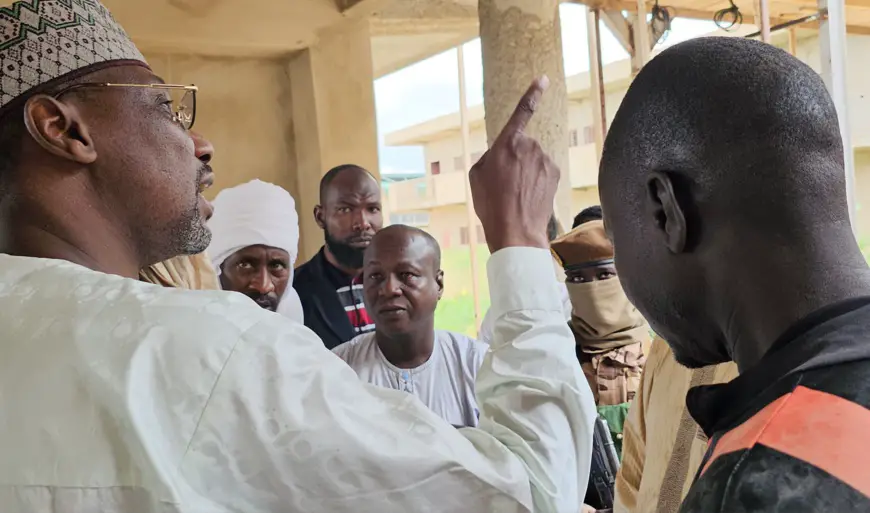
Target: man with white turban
{"x": 255, "y": 239}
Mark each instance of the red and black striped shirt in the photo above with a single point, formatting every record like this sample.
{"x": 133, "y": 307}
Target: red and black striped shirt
{"x": 350, "y": 294}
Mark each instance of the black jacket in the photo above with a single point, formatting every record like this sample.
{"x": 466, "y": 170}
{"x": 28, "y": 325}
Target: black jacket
{"x": 324, "y": 313}
{"x": 790, "y": 434}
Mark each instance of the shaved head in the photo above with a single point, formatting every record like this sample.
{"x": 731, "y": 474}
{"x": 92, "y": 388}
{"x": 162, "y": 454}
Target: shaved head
{"x": 715, "y": 111}
{"x": 401, "y": 236}
{"x": 357, "y": 175}
{"x": 711, "y": 180}
{"x": 349, "y": 214}
{"x": 403, "y": 282}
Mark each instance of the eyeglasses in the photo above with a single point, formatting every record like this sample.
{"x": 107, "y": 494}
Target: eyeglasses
{"x": 183, "y": 98}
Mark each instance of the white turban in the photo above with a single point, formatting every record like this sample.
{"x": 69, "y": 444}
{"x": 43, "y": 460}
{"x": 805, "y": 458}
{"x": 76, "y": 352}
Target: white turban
{"x": 257, "y": 213}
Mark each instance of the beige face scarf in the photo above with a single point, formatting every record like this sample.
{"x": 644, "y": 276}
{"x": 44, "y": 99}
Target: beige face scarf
{"x": 603, "y": 318}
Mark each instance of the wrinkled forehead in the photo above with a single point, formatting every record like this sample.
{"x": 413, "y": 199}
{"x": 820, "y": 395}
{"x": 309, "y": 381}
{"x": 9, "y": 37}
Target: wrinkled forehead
{"x": 353, "y": 186}
{"x": 395, "y": 250}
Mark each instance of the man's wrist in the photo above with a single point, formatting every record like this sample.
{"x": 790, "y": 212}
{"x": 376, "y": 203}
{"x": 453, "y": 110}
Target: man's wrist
{"x": 522, "y": 278}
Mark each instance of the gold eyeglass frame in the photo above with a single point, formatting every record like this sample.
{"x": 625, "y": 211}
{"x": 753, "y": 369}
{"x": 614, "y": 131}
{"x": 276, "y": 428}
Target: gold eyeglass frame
{"x": 184, "y": 119}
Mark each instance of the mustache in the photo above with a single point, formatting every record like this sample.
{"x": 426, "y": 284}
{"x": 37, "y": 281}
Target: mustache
{"x": 203, "y": 170}
{"x": 265, "y": 301}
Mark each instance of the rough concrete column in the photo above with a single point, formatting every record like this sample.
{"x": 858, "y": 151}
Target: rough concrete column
{"x": 520, "y": 40}
{"x": 333, "y": 103}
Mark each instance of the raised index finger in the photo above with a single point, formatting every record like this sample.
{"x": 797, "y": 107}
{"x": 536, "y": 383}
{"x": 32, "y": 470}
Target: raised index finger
{"x": 527, "y": 106}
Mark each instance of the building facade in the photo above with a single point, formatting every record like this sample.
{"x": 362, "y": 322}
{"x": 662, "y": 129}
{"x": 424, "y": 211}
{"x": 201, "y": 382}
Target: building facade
{"x": 439, "y": 196}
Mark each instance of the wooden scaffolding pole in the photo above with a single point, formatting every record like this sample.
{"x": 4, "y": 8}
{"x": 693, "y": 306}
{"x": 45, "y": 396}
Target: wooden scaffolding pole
{"x": 832, "y": 40}
{"x": 469, "y": 205}
{"x": 596, "y": 79}
{"x": 762, "y": 19}
{"x": 792, "y": 41}
{"x": 641, "y": 36}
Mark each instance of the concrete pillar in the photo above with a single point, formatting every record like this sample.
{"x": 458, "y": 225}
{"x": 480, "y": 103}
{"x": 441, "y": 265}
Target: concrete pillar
{"x": 333, "y": 118}
{"x": 832, "y": 40}
{"x": 520, "y": 40}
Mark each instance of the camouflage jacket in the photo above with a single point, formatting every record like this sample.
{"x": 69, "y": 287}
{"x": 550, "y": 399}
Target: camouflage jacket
{"x": 613, "y": 374}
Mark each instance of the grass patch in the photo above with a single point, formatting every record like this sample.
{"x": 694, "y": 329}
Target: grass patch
{"x": 456, "y": 310}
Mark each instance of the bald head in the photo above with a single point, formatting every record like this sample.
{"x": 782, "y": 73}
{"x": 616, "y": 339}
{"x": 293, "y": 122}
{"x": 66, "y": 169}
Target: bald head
{"x": 735, "y": 116}
{"x": 343, "y": 177}
{"x": 399, "y": 238}
{"x": 712, "y": 171}
{"x": 403, "y": 281}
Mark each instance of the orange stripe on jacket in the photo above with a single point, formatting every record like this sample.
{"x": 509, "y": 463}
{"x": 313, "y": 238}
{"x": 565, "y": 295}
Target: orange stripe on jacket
{"x": 819, "y": 428}
{"x": 746, "y": 435}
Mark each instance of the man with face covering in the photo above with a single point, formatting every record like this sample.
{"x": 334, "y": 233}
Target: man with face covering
{"x": 120, "y": 396}
{"x": 403, "y": 283}
{"x": 778, "y": 284}
{"x": 329, "y": 285}
{"x": 255, "y": 238}
{"x": 612, "y": 337}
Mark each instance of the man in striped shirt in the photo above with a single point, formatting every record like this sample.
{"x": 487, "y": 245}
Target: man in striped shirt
{"x": 329, "y": 284}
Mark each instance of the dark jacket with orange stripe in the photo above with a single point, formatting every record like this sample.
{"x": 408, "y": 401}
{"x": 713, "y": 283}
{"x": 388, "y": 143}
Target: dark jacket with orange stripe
{"x": 792, "y": 434}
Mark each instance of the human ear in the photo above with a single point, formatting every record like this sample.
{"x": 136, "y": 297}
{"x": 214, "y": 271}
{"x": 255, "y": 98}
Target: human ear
{"x": 439, "y": 279}
{"x": 59, "y": 129}
{"x": 668, "y": 214}
{"x": 318, "y": 217}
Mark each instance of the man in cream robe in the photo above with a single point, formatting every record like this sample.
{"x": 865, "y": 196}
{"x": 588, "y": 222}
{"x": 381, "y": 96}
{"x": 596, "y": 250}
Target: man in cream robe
{"x": 663, "y": 446}
{"x": 120, "y": 396}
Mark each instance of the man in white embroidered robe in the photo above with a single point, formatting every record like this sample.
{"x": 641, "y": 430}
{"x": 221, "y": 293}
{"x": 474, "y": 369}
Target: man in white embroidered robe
{"x": 122, "y": 396}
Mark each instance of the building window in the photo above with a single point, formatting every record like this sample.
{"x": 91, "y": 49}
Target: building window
{"x": 435, "y": 167}
{"x": 572, "y": 138}
{"x": 588, "y": 135}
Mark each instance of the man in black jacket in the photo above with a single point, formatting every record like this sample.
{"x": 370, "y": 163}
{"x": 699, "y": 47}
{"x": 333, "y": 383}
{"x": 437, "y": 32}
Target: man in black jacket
{"x": 724, "y": 192}
{"x": 329, "y": 285}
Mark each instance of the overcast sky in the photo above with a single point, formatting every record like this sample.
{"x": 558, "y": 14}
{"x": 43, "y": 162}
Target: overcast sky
{"x": 430, "y": 88}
